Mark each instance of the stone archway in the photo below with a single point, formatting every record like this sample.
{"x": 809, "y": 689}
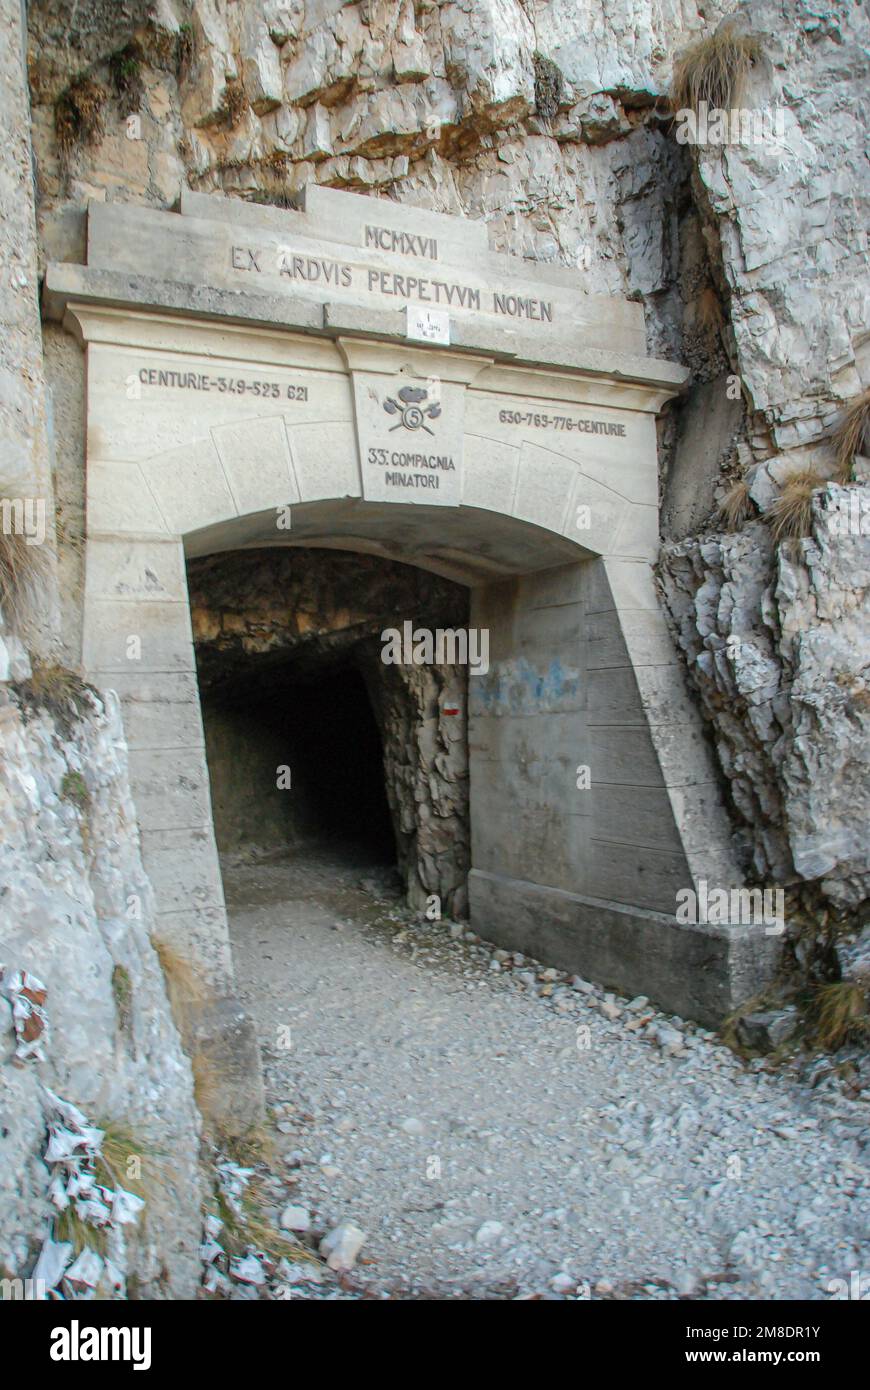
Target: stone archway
{"x": 220, "y": 419}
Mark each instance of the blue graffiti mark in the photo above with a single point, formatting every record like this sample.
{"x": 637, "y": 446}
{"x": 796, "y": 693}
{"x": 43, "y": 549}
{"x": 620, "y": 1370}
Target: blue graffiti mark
{"x": 516, "y": 687}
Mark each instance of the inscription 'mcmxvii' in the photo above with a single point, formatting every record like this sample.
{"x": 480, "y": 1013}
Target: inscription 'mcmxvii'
{"x": 386, "y": 239}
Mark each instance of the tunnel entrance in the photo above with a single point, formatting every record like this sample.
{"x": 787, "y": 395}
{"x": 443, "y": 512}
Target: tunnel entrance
{"x": 341, "y": 764}
{"x": 296, "y": 759}
{"x": 313, "y": 741}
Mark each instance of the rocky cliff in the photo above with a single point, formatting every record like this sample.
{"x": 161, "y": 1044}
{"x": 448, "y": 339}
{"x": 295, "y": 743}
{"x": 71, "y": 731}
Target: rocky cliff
{"x": 75, "y": 913}
{"x": 548, "y": 119}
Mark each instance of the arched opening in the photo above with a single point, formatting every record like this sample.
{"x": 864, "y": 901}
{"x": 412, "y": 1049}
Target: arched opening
{"x": 315, "y": 744}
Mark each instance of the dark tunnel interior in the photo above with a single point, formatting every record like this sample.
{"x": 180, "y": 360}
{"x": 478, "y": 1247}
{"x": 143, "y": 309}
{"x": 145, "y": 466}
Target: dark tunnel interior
{"x": 319, "y": 727}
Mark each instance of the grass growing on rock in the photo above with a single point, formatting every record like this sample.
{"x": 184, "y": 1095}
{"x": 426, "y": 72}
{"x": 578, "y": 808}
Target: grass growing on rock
{"x": 233, "y": 105}
{"x": 69, "y": 1226}
{"x": 74, "y": 789}
{"x": 127, "y": 1160}
{"x": 248, "y": 1228}
{"x": 715, "y": 70}
{"x": 736, "y": 506}
{"x": 790, "y": 516}
{"x": 184, "y": 48}
{"x": 125, "y": 68}
{"x": 273, "y": 190}
{"x": 122, "y": 991}
{"x": 852, "y": 435}
{"x": 57, "y": 691}
{"x": 78, "y": 115}
{"x": 839, "y": 1014}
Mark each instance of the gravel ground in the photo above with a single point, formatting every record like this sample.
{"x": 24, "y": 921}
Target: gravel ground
{"x": 500, "y": 1132}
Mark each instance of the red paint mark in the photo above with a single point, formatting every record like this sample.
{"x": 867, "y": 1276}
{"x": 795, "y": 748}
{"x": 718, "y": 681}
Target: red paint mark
{"x": 451, "y": 709}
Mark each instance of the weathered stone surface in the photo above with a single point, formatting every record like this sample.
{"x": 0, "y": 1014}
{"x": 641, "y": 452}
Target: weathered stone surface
{"x": 76, "y": 911}
{"x": 261, "y": 66}
{"x": 776, "y": 641}
{"x": 853, "y": 957}
{"x": 750, "y": 263}
{"x": 763, "y": 1032}
{"x": 797, "y": 276}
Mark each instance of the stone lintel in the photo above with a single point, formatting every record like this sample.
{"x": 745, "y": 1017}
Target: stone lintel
{"x": 66, "y": 284}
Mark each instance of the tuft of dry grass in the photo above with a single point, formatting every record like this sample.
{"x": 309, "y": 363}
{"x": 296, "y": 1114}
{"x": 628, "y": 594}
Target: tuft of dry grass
{"x": 121, "y": 1163}
{"x": 251, "y": 1230}
{"x": 24, "y": 573}
{"x": 840, "y": 1014}
{"x": 78, "y": 114}
{"x": 160, "y": 47}
{"x": 790, "y": 515}
{"x": 127, "y": 1160}
{"x": 233, "y": 105}
{"x": 736, "y": 506}
{"x": 256, "y": 1145}
{"x": 274, "y": 190}
{"x": 69, "y": 1226}
{"x": 852, "y": 435}
{"x": 57, "y": 690}
{"x": 207, "y": 1085}
{"x": 715, "y": 70}
{"x": 185, "y": 988}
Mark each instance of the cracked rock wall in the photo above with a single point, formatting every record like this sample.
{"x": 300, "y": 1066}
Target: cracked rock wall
{"x": 776, "y": 640}
{"x": 777, "y": 636}
{"x": 75, "y": 910}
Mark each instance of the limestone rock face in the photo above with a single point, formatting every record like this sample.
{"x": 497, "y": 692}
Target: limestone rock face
{"x": 790, "y": 213}
{"x": 776, "y": 640}
{"x": 76, "y": 912}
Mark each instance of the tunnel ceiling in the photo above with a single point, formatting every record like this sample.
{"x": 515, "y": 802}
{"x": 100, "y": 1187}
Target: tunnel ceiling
{"x": 254, "y": 611}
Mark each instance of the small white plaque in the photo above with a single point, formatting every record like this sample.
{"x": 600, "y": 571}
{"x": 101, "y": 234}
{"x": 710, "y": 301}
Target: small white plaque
{"x": 428, "y": 325}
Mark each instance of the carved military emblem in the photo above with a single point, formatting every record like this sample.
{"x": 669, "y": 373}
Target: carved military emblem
{"x": 413, "y": 408}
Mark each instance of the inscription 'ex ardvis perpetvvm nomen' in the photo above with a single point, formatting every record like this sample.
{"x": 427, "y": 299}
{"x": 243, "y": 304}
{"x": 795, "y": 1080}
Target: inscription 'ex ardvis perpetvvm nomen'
{"x": 322, "y": 270}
